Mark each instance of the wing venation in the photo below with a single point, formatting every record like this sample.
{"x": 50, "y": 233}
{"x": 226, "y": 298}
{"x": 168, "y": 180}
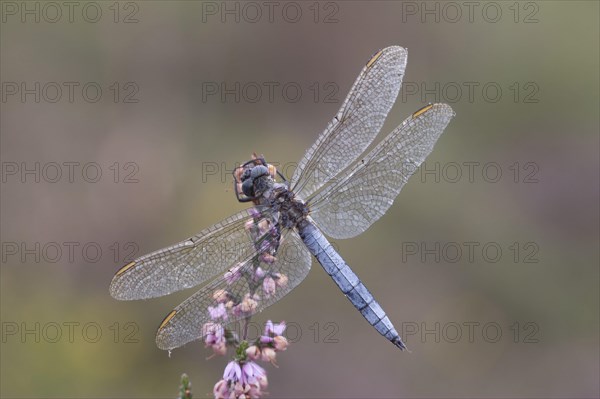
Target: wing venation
{"x": 365, "y": 192}
{"x": 356, "y": 124}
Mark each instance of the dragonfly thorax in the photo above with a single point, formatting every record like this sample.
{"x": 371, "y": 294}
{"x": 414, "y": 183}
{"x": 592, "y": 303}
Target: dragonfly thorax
{"x": 256, "y": 180}
{"x": 292, "y": 211}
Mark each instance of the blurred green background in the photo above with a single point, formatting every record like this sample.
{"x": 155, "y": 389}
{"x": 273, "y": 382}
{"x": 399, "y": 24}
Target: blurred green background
{"x": 164, "y": 143}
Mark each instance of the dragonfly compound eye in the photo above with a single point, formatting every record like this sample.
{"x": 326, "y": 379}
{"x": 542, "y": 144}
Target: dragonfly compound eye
{"x": 259, "y": 171}
{"x": 248, "y": 187}
{"x": 245, "y": 174}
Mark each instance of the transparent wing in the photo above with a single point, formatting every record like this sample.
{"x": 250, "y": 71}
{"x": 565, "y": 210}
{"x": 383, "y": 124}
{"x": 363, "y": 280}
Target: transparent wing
{"x": 246, "y": 289}
{"x": 366, "y": 191}
{"x": 189, "y": 262}
{"x": 355, "y": 125}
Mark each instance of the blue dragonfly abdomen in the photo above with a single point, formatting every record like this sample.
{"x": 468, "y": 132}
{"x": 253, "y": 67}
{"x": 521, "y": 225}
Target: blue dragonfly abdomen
{"x": 348, "y": 282}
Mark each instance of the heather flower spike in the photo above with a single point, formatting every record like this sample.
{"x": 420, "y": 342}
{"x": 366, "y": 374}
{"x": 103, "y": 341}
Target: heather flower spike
{"x": 243, "y": 377}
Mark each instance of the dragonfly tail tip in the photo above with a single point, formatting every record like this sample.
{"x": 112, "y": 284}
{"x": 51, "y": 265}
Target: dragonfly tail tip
{"x": 398, "y": 342}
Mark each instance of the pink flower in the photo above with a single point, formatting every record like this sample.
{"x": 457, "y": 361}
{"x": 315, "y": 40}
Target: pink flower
{"x": 280, "y": 279}
{"x": 240, "y": 391}
{"x": 220, "y": 348}
{"x": 274, "y": 329}
{"x": 232, "y": 275}
{"x": 247, "y": 306}
{"x": 213, "y": 333}
{"x": 268, "y": 286}
{"x": 243, "y": 378}
{"x": 241, "y": 381}
{"x": 253, "y": 212}
{"x": 259, "y": 273}
{"x": 233, "y": 372}
{"x": 263, "y": 382}
{"x": 268, "y": 355}
{"x": 221, "y": 391}
{"x": 253, "y": 352}
{"x": 265, "y": 340}
{"x": 263, "y": 226}
{"x": 251, "y": 372}
{"x": 214, "y": 337}
{"x": 280, "y": 342}
{"x": 218, "y": 312}
{"x": 220, "y": 296}
{"x": 267, "y": 258}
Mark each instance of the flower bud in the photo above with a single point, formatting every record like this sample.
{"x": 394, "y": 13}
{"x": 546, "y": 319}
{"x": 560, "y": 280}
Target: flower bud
{"x": 269, "y": 286}
{"x": 267, "y": 258}
{"x": 280, "y": 342}
{"x": 220, "y": 389}
{"x": 268, "y": 355}
{"x": 282, "y": 280}
{"x": 263, "y": 382}
{"x": 253, "y": 352}
{"x": 220, "y": 348}
{"x": 220, "y": 296}
{"x": 263, "y": 225}
{"x": 248, "y": 305}
{"x": 239, "y": 389}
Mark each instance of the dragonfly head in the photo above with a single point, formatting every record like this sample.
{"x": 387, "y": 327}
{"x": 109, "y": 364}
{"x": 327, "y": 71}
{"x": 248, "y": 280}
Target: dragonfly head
{"x": 253, "y": 184}
{"x": 254, "y": 178}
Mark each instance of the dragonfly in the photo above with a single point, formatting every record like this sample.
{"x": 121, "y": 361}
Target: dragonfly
{"x": 255, "y": 257}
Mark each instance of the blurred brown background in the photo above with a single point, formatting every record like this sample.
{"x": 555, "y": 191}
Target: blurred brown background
{"x": 167, "y": 126}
